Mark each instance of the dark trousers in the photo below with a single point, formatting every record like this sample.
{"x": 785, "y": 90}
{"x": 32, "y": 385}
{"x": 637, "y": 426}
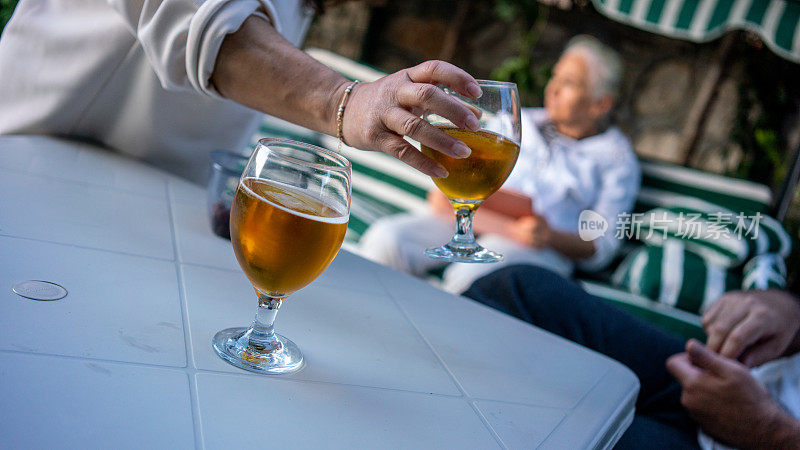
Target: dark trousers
{"x": 560, "y": 306}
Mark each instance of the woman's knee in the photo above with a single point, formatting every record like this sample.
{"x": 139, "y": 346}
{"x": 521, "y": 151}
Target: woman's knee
{"x": 381, "y": 240}
{"x": 398, "y": 241}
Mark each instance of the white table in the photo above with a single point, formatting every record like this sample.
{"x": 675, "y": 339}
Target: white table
{"x": 125, "y": 359}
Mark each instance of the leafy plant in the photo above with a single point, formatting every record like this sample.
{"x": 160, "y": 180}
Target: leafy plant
{"x": 768, "y": 98}
{"x": 529, "y": 17}
{"x": 6, "y": 9}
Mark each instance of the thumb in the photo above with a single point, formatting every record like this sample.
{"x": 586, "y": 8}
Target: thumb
{"x": 681, "y": 368}
{"x": 704, "y": 358}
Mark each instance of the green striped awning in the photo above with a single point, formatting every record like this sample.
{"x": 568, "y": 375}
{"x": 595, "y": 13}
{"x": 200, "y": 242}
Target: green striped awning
{"x": 776, "y": 21}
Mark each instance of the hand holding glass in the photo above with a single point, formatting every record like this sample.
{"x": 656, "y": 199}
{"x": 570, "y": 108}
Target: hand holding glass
{"x": 495, "y": 148}
{"x": 288, "y": 221}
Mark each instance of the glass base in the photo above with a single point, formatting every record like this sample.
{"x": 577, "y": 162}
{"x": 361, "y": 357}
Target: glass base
{"x": 465, "y": 254}
{"x": 282, "y": 356}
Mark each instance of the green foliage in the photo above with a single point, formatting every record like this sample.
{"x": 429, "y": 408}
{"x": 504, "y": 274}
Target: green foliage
{"x": 6, "y": 9}
{"x": 517, "y": 69}
{"x": 512, "y": 10}
{"x": 765, "y": 94}
{"x": 767, "y": 142}
{"x": 528, "y": 17}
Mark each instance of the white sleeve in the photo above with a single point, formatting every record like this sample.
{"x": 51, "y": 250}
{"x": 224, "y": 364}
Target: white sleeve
{"x": 181, "y": 38}
{"x": 618, "y": 192}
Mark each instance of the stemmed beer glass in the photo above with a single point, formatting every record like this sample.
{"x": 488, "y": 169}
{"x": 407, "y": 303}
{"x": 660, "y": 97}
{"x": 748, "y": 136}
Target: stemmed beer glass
{"x": 288, "y": 221}
{"x": 495, "y": 148}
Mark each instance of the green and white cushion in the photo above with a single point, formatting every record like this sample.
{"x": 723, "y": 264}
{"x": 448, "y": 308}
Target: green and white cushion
{"x": 775, "y": 238}
{"x": 722, "y": 236}
{"x": 705, "y": 233}
{"x": 766, "y": 271}
{"x": 669, "y": 184}
{"x": 674, "y": 276}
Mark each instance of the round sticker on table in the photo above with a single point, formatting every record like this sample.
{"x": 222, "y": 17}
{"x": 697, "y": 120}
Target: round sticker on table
{"x": 39, "y": 290}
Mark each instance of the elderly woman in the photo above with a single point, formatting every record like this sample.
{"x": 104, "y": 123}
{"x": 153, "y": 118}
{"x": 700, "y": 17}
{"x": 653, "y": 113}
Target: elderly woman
{"x": 571, "y": 160}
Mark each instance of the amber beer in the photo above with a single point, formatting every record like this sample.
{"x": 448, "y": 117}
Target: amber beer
{"x": 478, "y": 176}
{"x": 283, "y": 237}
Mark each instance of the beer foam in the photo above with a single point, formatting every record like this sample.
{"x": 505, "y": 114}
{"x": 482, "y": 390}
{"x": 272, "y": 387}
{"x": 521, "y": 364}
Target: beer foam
{"x": 343, "y": 218}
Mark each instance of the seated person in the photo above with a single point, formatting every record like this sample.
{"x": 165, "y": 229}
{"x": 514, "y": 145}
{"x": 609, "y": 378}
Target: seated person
{"x": 713, "y": 387}
{"x": 570, "y": 160}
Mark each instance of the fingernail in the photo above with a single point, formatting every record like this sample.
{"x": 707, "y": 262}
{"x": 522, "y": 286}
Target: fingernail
{"x": 461, "y": 150}
{"x": 474, "y": 90}
{"x": 440, "y": 172}
{"x": 473, "y": 123}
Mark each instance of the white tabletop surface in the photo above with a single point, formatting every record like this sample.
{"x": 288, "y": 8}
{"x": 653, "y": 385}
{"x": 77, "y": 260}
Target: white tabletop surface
{"x": 125, "y": 359}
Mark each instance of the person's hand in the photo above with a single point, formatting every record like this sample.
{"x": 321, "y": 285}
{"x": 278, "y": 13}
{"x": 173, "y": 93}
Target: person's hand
{"x": 380, "y": 113}
{"x": 531, "y": 231}
{"x": 753, "y": 326}
{"x": 726, "y": 401}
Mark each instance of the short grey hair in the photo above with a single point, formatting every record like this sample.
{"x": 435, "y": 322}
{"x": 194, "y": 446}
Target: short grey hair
{"x": 605, "y": 65}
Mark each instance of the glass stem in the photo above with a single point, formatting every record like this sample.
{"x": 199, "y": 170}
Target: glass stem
{"x": 463, "y": 235}
{"x": 261, "y": 335}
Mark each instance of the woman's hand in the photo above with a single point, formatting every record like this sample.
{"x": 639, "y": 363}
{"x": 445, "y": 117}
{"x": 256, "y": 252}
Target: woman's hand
{"x": 380, "y": 113}
{"x": 532, "y": 231}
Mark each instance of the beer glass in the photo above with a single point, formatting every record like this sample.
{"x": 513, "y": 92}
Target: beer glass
{"x": 288, "y": 220}
{"x": 495, "y": 148}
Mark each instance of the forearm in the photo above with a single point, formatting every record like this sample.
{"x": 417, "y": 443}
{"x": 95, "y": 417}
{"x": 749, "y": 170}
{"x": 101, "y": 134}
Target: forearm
{"x": 258, "y": 68}
{"x": 794, "y": 346}
{"x": 781, "y": 432}
{"x": 571, "y": 245}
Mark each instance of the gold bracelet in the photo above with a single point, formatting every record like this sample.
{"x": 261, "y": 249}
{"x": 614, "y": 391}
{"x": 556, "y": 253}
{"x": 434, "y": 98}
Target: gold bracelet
{"x": 340, "y": 112}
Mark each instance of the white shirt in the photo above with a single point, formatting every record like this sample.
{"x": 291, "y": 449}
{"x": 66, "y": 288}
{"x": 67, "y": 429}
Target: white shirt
{"x": 564, "y": 176}
{"x": 782, "y": 380}
{"x": 132, "y": 75}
